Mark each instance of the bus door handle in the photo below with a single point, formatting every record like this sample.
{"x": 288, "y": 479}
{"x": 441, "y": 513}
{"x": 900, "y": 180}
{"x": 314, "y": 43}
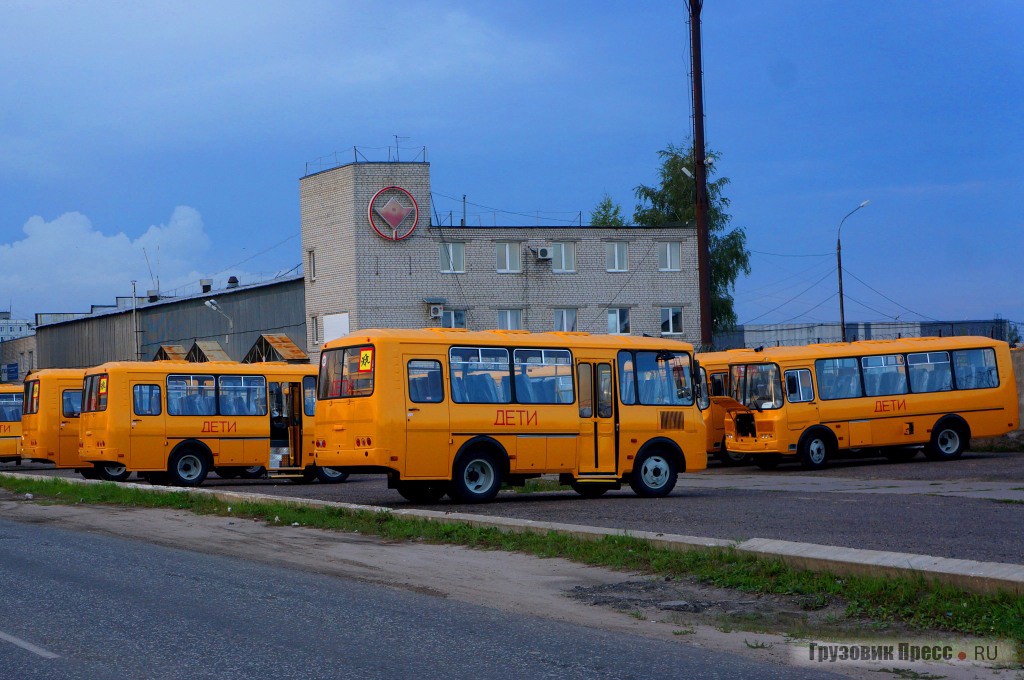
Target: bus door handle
{"x": 63, "y": 423}
{"x": 412, "y": 408}
{"x": 135, "y": 422}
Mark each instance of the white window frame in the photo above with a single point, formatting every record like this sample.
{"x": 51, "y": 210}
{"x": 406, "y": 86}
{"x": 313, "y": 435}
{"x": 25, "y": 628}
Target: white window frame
{"x": 669, "y": 254}
{"x": 510, "y": 319}
{"x": 561, "y": 317}
{"x": 449, "y": 320}
{"x": 558, "y": 257}
{"x": 671, "y": 331}
{"x": 447, "y": 255}
{"x": 619, "y": 312}
{"x": 612, "y": 260}
{"x": 312, "y": 264}
{"x": 314, "y": 320}
{"x": 508, "y": 257}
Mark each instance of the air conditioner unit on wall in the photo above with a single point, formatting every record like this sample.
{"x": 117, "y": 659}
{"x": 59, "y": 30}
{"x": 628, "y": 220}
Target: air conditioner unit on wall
{"x": 544, "y": 253}
{"x": 436, "y": 311}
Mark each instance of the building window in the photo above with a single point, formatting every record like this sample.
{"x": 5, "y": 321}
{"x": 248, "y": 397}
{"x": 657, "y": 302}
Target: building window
{"x": 565, "y": 320}
{"x": 508, "y": 256}
{"x": 510, "y": 319}
{"x": 312, "y": 264}
{"x": 668, "y": 256}
{"x": 671, "y": 320}
{"x": 563, "y": 257}
{"x": 453, "y": 318}
{"x": 453, "y": 258}
{"x": 616, "y": 256}
{"x": 618, "y": 320}
{"x": 314, "y": 326}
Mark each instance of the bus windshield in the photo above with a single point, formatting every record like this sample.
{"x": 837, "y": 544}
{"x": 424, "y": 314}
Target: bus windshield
{"x": 757, "y": 386}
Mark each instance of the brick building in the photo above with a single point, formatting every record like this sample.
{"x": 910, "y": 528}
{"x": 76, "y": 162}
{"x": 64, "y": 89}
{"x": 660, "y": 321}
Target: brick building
{"x": 373, "y": 259}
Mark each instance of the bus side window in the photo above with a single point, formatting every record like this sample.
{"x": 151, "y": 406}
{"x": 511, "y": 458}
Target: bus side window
{"x": 586, "y": 387}
{"x": 425, "y": 381}
{"x": 604, "y": 391}
{"x": 627, "y": 378}
{"x": 146, "y": 400}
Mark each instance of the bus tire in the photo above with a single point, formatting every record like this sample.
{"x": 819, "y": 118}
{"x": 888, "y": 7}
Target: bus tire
{"x": 421, "y": 492}
{"x": 476, "y": 476}
{"x": 112, "y": 472}
{"x": 227, "y": 472}
{"x": 88, "y": 473}
{"x": 188, "y": 466}
{"x": 814, "y": 449}
{"x": 766, "y": 461}
{"x": 654, "y": 474}
{"x": 328, "y": 475}
{"x": 590, "y": 490}
{"x": 731, "y": 458}
{"x": 253, "y": 472}
{"x": 949, "y": 439}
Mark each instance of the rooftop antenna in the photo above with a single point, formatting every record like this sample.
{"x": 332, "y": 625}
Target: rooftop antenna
{"x": 397, "y": 146}
{"x": 152, "y": 278}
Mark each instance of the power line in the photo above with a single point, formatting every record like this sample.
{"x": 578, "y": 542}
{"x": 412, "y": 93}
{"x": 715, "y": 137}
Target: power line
{"x": 827, "y": 274}
{"x": 763, "y": 252}
{"x": 513, "y": 212}
{"x": 923, "y": 316}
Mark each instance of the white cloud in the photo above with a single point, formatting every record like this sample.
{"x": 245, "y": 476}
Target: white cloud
{"x": 67, "y": 264}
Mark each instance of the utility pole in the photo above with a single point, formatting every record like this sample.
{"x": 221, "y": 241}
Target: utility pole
{"x": 701, "y": 178}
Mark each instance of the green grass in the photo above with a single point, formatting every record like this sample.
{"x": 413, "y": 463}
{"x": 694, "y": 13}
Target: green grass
{"x": 909, "y": 600}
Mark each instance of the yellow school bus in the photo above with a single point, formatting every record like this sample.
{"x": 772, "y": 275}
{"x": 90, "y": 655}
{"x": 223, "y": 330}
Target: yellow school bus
{"x": 174, "y": 421}
{"x": 459, "y": 412}
{"x": 714, "y": 375}
{"x": 53, "y": 404}
{"x": 895, "y": 395}
{"x": 10, "y": 422}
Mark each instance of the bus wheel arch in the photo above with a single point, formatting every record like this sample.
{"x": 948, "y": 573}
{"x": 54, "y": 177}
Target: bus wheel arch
{"x": 189, "y": 463}
{"x": 480, "y": 467}
{"x": 817, "y": 444}
{"x": 950, "y": 436}
{"x": 656, "y": 468}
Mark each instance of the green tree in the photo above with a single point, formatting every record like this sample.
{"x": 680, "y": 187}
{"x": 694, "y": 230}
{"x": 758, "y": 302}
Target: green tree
{"x": 608, "y": 213}
{"x": 673, "y": 202}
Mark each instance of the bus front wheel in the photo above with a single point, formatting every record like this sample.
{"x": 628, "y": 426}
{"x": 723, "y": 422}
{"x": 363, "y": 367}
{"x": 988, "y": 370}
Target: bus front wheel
{"x": 187, "y": 467}
{"x": 476, "y": 477}
{"x": 947, "y": 443}
{"x": 422, "y": 492}
{"x": 654, "y": 474}
{"x": 814, "y": 450}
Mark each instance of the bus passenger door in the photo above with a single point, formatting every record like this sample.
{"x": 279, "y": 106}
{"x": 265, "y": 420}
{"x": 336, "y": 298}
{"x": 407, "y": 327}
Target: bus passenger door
{"x": 598, "y": 422}
{"x": 148, "y": 437}
{"x": 427, "y": 430}
{"x": 293, "y": 393}
{"x": 67, "y": 440}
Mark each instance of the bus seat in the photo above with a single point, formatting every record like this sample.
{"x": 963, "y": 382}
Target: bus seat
{"x": 524, "y": 389}
{"x": 547, "y": 391}
{"x": 919, "y": 380}
{"x": 434, "y": 390}
{"x": 504, "y": 390}
{"x": 416, "y": 389}
{"x": 458, "y": 390}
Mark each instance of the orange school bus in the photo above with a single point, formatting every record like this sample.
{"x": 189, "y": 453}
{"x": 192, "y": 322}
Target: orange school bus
{"x": 898, "y": 395}
{"x": 459, "y": 412}
{"x": 53, "y": 403}
{"x": 174, "y": 422}
{"x": 10, "y": 422}
{"x": 714, "y": 372}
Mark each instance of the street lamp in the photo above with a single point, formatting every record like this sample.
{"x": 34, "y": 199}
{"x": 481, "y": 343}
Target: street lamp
{"x": 212, "y": 304}
{"x": 839, "y": 266}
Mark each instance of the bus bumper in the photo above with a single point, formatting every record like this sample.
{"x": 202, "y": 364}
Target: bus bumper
{"x": 99, "y": 455}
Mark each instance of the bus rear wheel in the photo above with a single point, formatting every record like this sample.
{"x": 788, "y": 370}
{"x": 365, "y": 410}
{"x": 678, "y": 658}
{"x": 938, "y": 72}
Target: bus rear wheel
{"x": 947, "y": 443}
{"x": 328, "y": 475}
{"x": 422, "y": 492}
{"x": 654, "y": 474}
{"x": 187, "y": 467}
{"x": 112, "y": 472}
{"x": 731, "y": 458}
{"x": 476, "y": 477}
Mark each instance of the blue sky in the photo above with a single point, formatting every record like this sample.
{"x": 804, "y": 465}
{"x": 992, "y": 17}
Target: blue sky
{"x": 183, "y": 128}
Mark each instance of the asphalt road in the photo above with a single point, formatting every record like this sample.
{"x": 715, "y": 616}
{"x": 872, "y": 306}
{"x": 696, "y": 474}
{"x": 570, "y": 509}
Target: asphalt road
{"x": 964, "y": 528}
{"x": 82, "y": 605}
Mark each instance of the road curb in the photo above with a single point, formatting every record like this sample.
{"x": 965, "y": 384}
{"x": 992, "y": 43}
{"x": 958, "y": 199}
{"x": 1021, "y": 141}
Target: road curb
{"x": 971, "y": 575}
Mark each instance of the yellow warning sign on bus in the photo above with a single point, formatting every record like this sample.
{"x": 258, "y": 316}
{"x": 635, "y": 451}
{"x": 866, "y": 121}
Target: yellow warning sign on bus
{"x": 366, "y": 360}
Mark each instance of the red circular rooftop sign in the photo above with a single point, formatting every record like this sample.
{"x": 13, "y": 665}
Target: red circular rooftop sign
{"x": 393, "y": 213}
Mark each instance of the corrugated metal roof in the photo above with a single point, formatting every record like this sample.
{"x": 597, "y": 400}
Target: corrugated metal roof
{"x": 275, "y": 347}
{"x": 170, "y": 353}
{"x": 207, "y": 350}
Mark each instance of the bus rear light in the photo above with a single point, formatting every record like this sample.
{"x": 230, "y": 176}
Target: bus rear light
{"x": 369, "y": 442}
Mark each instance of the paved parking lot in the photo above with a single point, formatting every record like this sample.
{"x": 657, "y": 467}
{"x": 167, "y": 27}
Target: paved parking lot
{"x": 965, "y": 509}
